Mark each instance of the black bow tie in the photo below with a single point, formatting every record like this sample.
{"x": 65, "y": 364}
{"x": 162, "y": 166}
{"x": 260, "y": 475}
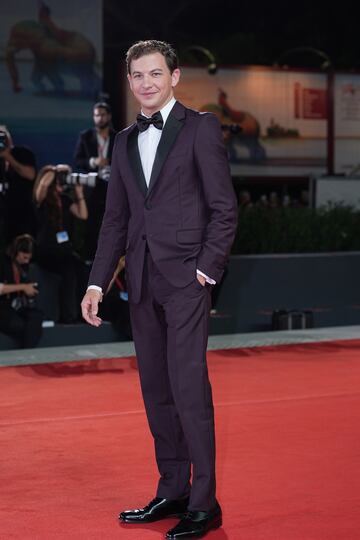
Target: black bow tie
{"x": 143, "y": 122}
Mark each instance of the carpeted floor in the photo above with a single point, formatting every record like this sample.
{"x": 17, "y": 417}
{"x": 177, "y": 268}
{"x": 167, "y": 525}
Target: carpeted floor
{"x": 75, "y": 448}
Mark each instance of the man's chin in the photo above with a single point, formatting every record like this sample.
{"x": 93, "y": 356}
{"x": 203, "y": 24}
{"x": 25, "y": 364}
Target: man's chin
{"x": 150, "y": 101}
{"x": 150, "y": 107}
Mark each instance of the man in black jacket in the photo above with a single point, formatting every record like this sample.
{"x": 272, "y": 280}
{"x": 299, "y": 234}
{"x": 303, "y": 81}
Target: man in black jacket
{"x": 93, "y": 154}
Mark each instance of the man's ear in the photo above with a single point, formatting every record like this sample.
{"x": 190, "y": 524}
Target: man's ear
{"x": 175, "y": 77}
{"x": 129, "y": 80}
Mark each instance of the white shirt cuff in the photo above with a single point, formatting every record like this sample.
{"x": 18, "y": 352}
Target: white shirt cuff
{"x": 1, "y": 287}
{"x": 207, "y": 278}
{"x": 95, "y": 288}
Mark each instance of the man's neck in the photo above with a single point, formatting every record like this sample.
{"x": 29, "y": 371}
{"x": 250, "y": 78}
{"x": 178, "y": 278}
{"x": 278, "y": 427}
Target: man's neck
{"x": 103, "y": 132}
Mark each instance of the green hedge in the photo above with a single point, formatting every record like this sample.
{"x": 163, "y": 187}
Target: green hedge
{"x": 297, "y": 230}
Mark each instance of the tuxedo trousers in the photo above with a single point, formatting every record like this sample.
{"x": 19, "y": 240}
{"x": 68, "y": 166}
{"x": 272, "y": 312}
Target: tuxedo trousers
{"x": 170, "y": 331}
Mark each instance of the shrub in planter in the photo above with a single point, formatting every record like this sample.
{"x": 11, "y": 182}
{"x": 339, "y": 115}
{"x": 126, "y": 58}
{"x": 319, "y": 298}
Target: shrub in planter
{"x": 297, "y": 230}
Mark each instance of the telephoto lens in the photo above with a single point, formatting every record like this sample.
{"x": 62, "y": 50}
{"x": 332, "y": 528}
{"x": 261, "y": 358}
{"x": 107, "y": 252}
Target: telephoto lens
{"x": 84, "y": 179}
{"x": 65, "y": 177}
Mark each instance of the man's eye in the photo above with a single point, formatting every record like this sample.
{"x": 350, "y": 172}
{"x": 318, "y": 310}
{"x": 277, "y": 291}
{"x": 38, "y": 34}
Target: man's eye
{"x": 156, "y": 74}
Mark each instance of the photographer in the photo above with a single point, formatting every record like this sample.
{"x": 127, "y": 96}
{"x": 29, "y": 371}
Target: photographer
{"x": 56, "y": 208}
{"x": 19, "y": 318}
{"x": 18, "y": 166}
{"x": 93, "y": 154}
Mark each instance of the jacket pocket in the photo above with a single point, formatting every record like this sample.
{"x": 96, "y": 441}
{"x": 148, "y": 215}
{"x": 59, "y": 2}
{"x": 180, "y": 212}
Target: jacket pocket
{"x": 189, "y": 236}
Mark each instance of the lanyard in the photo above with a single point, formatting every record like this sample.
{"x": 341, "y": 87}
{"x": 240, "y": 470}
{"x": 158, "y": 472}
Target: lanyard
{"x": 16, "y": 273}
{"x": 60, "y": 207}
{"x": 119, "y": 284}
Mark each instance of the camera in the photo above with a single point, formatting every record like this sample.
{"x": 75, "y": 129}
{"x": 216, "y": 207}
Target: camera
{"x": 3, "y": 140}
{"x": 65, "y": 177}
{"x": 4, "y": 185}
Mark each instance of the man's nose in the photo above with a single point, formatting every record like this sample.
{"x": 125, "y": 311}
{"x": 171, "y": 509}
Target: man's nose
{"x": 147, "y": 82}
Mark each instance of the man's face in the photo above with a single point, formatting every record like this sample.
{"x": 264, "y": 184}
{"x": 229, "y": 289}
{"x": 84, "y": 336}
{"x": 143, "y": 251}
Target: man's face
{"x": 151, "y": 82}
{"x": 101, "y": 118}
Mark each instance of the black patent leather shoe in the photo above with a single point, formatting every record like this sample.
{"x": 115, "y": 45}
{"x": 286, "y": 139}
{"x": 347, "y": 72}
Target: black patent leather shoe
{"x": 196, "y": 524}
{"x": 155, "y": 510}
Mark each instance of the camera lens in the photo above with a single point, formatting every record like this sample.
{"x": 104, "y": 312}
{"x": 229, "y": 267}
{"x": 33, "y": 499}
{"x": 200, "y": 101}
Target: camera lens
{"x": 3, "y": 140}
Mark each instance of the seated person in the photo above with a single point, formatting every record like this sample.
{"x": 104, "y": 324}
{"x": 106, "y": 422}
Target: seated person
{"x": 57, "y": 204}
{"x": 19, "y": 317}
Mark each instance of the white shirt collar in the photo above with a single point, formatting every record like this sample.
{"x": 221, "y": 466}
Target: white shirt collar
{"x": 165, "y": 111}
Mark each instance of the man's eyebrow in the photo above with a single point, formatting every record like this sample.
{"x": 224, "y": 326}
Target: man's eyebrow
{"x": 136, "y": 72}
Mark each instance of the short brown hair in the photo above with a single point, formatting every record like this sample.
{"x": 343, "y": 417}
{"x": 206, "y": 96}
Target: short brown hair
{"x": 141, "y": 48}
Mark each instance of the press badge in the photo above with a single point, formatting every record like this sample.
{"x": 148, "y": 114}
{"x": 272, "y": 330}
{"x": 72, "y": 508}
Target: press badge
{"x": 61, "y": 237}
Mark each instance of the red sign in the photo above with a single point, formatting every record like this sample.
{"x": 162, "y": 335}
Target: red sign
{"x": 310, "y": 103}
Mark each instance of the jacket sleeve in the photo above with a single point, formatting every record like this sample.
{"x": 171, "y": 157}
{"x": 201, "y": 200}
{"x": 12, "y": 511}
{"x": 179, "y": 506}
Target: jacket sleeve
{"x": 113, "y": 232}
{"x": 220, "y": 199}
{"x": 81, "y": 158}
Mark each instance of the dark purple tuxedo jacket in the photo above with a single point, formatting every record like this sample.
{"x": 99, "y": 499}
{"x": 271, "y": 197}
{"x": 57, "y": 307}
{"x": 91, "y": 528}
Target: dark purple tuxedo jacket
{"x": 187, "y": 216}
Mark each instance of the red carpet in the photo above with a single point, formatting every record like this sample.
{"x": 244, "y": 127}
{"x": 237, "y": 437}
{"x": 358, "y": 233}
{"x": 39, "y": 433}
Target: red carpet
{"x": 75, "y": 449}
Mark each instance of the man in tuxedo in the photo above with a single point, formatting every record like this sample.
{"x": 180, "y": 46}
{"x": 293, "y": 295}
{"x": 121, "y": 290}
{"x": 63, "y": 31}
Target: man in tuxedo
{"x": 172, "y": 209}
{"x": 93, "y": 153}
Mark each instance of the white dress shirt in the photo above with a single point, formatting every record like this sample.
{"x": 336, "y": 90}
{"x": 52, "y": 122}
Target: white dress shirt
{"x": 103, "y": 146}
{"x": 148, "y": 142}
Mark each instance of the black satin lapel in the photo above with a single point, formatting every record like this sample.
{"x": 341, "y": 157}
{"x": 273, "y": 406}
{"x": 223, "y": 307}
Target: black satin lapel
{"x": 168, "y": 138}
{"x": 135, "y": 161}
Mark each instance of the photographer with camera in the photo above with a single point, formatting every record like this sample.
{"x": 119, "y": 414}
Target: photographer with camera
{"x": 93, "y": 154}
{"x": 57, "y": 204}
{"x": 18, "y": 167}
{"x": 19, "y": 316}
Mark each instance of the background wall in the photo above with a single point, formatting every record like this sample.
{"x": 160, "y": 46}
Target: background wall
{"x": 255, "y": 285}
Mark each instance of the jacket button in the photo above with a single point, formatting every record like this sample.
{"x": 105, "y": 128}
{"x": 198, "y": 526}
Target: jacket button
{"x": 144, "y": 237}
